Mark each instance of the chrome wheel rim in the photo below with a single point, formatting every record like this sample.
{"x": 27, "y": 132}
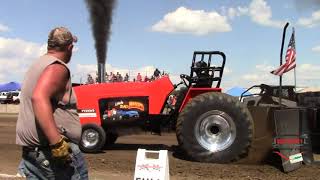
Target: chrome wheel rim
{"x": 215, "y": 130}
{"x": 90, "y": 138}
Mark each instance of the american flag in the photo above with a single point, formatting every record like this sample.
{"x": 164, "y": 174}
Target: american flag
{"x": 290, "y": 58}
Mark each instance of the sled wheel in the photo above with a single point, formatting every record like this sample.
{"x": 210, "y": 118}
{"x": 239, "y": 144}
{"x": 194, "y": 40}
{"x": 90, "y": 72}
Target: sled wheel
{"x": 214, "y": 127}
{"x": 93, "y": 138}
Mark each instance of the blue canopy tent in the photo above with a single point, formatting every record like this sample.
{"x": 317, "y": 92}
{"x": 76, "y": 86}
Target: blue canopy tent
{"x": 237, "y": 91}
{"x": 11, "y": 86}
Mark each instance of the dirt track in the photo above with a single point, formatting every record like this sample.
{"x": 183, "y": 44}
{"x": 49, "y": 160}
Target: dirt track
{"x": 118, "y": 161}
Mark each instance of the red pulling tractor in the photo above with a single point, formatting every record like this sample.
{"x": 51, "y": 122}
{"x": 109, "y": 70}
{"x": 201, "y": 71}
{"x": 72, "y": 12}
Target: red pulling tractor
{"x": 210, "y": 126}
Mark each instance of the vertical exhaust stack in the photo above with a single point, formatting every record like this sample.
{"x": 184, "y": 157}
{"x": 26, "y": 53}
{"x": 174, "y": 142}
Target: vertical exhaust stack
{"x": 306, "y": 4}
{"x": 101, "y": 72}
{"x": 101, "y": 19}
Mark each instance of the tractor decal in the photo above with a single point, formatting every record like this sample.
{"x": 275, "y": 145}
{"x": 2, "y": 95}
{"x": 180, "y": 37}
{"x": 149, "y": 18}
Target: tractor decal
{"x": 87, "y": 113}
{"x": 136, "y": 105}
{"x": 132, "y": 105}
{"x": 120, "y": 109}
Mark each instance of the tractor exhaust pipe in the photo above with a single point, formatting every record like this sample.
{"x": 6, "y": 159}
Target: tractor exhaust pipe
{"x": 101, "y": 73}
{"x": 281, "y": 55}
{"x": 101, "y": 19}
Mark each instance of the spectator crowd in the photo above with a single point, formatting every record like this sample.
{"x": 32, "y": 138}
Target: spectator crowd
{"x": 118, "y": 77}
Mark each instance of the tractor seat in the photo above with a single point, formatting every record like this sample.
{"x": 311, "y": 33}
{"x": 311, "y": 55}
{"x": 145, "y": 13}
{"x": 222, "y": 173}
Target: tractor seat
{"x": 202, "y": 80}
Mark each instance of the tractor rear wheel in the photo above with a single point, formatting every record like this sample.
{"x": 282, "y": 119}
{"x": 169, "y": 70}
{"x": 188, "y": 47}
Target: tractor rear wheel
{"x": 214, "y": 127}
{"x": 180, "y": 95}
{"x": 93, "y": 138}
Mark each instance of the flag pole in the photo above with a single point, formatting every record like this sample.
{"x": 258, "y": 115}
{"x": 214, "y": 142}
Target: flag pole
{"x": 294, "y": 71}
{"x": 295, "y": 79}
{"x": 281, "y": 55}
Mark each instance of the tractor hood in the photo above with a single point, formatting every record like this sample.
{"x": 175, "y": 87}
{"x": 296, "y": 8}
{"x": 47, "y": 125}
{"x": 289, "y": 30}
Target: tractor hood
{"x": 88, "y": 96}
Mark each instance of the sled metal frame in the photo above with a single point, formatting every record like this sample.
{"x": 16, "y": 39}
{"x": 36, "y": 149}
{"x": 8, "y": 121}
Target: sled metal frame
{"x": 289, "y": 141}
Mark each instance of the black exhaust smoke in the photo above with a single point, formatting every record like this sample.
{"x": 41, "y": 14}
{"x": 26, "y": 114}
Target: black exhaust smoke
{"x": 101, "y": 19}
{"x": 302, "y": 5}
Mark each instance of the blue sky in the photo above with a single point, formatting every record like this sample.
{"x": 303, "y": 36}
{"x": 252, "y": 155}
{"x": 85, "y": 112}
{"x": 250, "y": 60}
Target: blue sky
{"x": 164, "y": 34}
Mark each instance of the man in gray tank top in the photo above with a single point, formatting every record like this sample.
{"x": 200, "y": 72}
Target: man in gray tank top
{"x": 48, "y": 126}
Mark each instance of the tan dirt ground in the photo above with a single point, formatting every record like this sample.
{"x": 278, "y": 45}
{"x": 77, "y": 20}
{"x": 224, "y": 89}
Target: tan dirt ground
{"x": 118, "y": 161}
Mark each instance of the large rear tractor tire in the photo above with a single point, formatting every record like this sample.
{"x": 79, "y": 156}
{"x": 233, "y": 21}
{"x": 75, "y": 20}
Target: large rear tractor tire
{"x": 180, "y": 94}
{"x": 214, "y": 127}
{"x": 93, "y": 138}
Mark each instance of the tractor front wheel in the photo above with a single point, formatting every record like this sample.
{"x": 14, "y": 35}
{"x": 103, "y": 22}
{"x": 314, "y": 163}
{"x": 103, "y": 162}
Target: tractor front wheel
{"x": 214, "y": 127}
{"x": 93, "y": 138}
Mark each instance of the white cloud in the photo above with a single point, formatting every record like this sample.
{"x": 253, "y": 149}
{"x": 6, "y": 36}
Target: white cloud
{"x": 309, "y": 22}
{"x": 316, "y": 49}
{"x": 198, "y": 22}
{"x": 261, "y": 74}
{"x": 264, "y": 67}
{"x": 251, "y": 77}
{"x": 84, "y": 69}
{"x": 15, "y": 56}
{"x": 18, "y": 48}
{"x": 236, "y": 12}
{"x": 259, "y": 12}
{"x": 4, "y": 28}
{"x": 227, "y": 71}
{"x": 306, "y": 74}
{"x": 75, "y": 49}
{"x": 309, "y": 74}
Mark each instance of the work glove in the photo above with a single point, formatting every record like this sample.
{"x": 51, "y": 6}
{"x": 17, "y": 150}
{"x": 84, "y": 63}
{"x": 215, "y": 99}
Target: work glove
{"x": 61, "y": 151}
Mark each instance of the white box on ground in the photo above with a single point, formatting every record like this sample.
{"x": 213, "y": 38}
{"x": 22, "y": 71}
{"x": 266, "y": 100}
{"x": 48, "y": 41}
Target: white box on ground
{"x": 149, "y": 167}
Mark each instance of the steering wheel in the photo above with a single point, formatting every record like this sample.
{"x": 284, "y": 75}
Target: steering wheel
{"x": 185, "y": 77}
